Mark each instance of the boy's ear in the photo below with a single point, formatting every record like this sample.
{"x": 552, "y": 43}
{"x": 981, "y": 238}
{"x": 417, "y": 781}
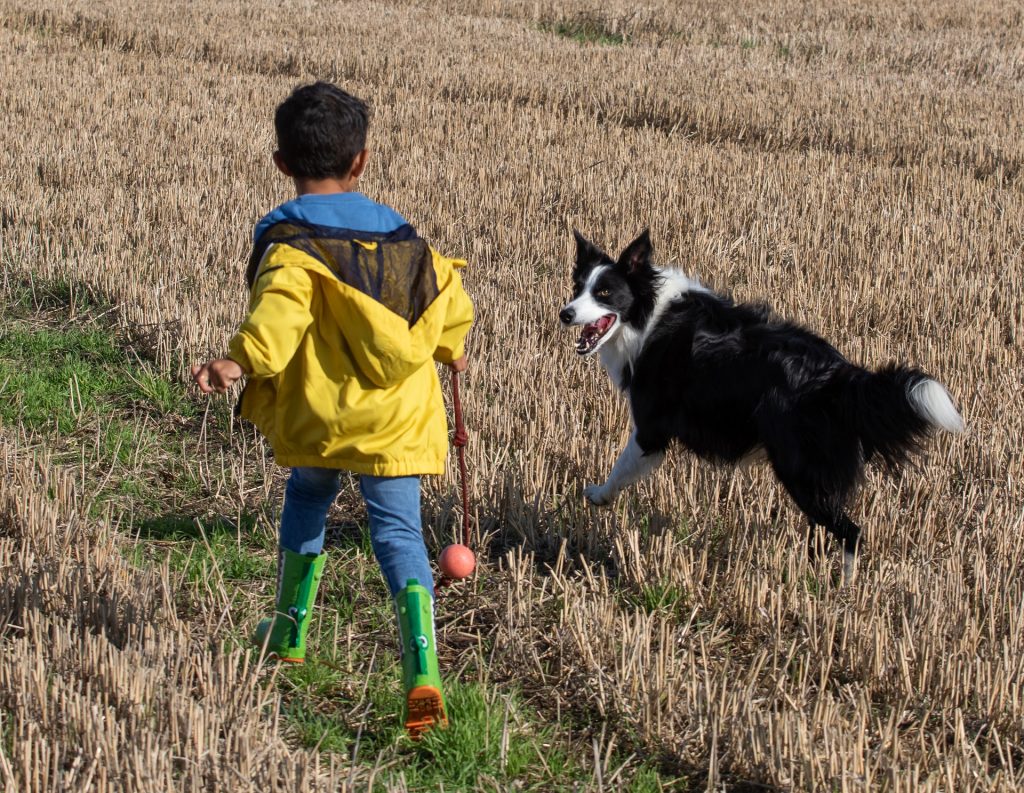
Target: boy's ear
{"x": 282, "y": 166}
{"x": 359, "y": 164}
{"x": 637, "y": 254}
{"x": 586, "y": 251}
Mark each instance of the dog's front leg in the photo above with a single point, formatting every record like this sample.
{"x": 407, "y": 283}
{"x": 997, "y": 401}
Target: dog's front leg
{"x": 632, "y": 466}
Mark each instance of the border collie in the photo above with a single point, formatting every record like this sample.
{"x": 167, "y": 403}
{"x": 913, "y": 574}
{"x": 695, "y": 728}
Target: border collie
{"x": 728, "y": 380}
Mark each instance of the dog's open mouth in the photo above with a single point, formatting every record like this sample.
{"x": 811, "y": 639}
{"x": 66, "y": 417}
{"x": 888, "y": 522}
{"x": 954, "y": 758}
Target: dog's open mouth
{"x": 593, "y": 333}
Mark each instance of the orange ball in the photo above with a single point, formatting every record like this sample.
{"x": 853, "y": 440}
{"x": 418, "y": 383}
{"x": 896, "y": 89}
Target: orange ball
{"x": 456, "y": 561}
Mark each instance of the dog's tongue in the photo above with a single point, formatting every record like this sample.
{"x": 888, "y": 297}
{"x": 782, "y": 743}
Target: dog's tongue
{"x": 593, "y": 332}
{"x": 600, "y": 326}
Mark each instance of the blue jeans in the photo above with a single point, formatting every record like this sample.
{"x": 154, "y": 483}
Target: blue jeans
{"x": 393, "y": 504}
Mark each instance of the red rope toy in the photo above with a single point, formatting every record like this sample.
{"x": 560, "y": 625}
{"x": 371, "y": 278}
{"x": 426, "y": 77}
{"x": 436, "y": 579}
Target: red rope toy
{"x": 457, "y": 561}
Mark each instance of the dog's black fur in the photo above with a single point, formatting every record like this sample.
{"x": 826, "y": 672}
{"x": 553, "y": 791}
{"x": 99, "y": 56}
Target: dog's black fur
{"x": 726, "y": 379}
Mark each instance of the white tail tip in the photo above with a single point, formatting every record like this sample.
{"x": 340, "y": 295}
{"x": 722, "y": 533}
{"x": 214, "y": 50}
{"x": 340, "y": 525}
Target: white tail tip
{"x": 932, "y": 402}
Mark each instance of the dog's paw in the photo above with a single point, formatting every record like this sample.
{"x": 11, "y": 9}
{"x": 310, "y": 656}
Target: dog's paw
{"x": 598, "y": 495}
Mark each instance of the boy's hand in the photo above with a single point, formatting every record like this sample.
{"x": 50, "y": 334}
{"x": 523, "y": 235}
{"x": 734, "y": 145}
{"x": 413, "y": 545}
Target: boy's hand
{"x": 459, "y": 365}
{"x": 217, "y": 375}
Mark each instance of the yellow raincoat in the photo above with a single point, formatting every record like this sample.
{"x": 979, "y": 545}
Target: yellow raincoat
{"x": 339, "y": 347}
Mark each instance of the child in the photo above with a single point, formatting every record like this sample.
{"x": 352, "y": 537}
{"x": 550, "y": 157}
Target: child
{"x": 349, "y": 309}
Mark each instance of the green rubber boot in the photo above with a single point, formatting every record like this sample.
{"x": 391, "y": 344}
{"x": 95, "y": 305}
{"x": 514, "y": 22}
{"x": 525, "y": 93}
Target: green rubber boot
{"x": 298, "y": 577}
{"x": 421, "y": 680}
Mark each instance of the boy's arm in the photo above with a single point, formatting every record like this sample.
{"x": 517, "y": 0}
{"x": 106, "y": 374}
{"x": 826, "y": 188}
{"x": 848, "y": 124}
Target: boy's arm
{"x": 451, "y": 346}
{"x": 279, "y": 315}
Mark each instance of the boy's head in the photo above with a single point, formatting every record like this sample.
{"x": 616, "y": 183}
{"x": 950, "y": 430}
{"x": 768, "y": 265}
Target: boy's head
{"x": 321, "y": 132}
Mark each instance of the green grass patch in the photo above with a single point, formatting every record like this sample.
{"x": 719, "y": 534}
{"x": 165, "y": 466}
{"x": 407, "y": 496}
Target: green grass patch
{"x": 315, "y": 727}
{"x": 121, "y": 442}
{"x": 204, "y": 551}
{"x": 168, "y": 398}
{"x": 29, "y": 297}
{"x": 58, "y": 378}
{"x": 211, "y": 562}
{"x": 51, "y": 377}
{"x": 648, "y": 780}
{"x": 489, "y": 741}
{"x": 657, "y": 596}
{"x": 71, "y": 380}
{"x": 585, "y": 30}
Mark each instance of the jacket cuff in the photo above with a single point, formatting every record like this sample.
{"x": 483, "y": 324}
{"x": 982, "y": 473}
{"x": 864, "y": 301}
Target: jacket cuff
{"x": 445, "y": 356}
{"x": 237, "y": 353}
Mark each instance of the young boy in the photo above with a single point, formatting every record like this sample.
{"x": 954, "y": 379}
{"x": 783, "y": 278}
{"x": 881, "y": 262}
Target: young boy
{"x": 349, "y": 309}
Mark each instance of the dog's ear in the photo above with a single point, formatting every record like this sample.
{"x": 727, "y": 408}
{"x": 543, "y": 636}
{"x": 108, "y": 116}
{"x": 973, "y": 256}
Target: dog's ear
{"x": 587, "y": 254}
{"x": 637, "y": 254}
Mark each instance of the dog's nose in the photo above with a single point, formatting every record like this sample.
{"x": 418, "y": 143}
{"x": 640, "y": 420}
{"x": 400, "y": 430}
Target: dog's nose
{"x": 566, "y": 315}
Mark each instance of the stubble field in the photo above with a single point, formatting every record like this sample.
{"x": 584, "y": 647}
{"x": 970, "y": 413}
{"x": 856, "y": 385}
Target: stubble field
{"x": 859, "y": 165}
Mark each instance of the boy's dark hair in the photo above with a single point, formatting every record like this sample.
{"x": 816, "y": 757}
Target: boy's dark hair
{"x": 320, "y": 130}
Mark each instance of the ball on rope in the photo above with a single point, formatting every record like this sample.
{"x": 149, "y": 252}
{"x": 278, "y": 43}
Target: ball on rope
{"x": 457, "y": 562}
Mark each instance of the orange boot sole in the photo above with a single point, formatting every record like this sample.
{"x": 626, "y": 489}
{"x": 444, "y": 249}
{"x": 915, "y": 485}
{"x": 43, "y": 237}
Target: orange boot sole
{"x": 425, "y": 710}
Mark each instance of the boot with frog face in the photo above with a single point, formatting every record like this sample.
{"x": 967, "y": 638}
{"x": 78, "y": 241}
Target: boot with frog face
{"x": 421, "y": 680}
{"x": 284, "y": 634}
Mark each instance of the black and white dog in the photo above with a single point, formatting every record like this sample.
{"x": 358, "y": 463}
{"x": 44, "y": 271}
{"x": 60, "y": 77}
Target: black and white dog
{"x": 728, "y": 380}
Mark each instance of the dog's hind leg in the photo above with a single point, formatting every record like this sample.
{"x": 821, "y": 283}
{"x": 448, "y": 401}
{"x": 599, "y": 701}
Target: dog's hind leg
{"x": 822, "y": 509}
{"x": 849, "y": 532}
{"x": 840, "y": 526}
{"x": 818, "y": 464}
{"x": 632, "y": 465}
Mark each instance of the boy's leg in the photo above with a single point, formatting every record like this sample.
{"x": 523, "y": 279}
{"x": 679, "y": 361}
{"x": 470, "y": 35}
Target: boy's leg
{"x": 308, "y": 497}
{"x": 393, "y": 504}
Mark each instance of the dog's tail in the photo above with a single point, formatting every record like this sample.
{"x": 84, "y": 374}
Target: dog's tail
{"x": 896, "y": 408}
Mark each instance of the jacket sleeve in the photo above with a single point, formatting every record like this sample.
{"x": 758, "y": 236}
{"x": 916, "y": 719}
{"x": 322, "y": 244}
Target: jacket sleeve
{"x": 279, "y": 315}
{"x": 459, "y": 317}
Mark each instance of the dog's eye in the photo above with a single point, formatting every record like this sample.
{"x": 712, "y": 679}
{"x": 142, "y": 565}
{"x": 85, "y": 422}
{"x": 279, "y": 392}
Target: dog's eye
{"x": 603, "y": 292}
